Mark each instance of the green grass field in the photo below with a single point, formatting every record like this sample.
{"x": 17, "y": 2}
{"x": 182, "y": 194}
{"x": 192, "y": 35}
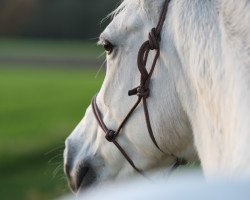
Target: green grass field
{"x": 49, "y": 48}
{"x": 38, "y": 109}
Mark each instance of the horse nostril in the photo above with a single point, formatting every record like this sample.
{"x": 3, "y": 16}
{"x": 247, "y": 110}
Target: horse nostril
{"x": 80, "y": 176}
{"x": 83, "y": 170}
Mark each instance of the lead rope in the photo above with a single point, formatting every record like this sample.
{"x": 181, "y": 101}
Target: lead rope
{"x": 142, "y": 91}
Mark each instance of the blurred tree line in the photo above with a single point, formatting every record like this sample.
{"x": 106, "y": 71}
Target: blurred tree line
{"x": 54, "y": 18}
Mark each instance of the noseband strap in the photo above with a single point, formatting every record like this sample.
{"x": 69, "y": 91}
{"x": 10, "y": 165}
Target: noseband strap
{"x": 142, "y": 91}
{"x": 111, "y": 135}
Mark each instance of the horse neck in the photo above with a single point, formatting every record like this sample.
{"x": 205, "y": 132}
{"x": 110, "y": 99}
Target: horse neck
{"x": 213, "y": 45}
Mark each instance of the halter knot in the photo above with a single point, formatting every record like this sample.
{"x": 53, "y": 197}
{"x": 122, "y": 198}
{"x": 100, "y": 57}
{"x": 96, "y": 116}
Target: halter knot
{"x": 110, "y": 136}
{"x": 140, "y": 91}
{"x": 153, "y": 39}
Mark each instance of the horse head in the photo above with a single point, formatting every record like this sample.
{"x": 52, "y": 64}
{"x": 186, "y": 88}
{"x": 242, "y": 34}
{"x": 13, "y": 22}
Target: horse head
{"x": 89, "y": 157}
{"x": 200, "y": 80}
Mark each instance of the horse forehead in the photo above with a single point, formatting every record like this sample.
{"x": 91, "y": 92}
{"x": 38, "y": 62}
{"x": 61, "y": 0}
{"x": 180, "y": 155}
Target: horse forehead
{"x": 128, "y": 20}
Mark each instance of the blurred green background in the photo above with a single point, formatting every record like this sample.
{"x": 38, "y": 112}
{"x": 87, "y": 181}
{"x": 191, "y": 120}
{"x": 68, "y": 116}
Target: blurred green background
{"x": 49, "y": 65}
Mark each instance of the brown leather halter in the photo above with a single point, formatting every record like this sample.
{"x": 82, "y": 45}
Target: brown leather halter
{"x": 142, "y": 91}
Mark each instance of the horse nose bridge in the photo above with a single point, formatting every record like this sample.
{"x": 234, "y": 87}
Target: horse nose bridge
{"x": 69, "y": 156}
{"x": 77, "y": 166}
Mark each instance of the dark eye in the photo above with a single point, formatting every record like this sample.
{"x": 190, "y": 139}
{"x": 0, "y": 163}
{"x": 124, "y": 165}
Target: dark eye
{"x": 108, "y": 47}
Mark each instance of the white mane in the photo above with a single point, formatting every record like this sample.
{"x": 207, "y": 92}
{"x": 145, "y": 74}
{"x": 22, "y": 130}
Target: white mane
{"x": 123, "y": 6}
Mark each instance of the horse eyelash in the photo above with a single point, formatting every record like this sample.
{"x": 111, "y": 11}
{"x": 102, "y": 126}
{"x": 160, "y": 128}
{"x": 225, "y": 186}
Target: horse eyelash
{"x": 104, "y": 42}
{"x": 109, "y": 47}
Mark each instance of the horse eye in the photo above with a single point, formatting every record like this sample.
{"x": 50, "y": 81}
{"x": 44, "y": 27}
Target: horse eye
{"x": 108, "y": 46}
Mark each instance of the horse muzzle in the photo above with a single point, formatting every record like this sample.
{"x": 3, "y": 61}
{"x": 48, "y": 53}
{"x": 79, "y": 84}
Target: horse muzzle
{"x": 80, "y": 174}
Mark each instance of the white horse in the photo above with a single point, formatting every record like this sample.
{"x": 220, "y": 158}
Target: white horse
{"x": 199, "y": 100}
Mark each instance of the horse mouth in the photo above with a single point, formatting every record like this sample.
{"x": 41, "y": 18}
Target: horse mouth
{"x": 84, "y": 178}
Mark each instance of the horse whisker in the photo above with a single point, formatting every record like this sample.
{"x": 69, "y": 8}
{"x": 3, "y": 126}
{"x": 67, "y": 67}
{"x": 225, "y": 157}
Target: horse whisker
{"x": 99, "y": 70}
{"x": 56, "y": 170}
{"x": 54, "y": 149}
